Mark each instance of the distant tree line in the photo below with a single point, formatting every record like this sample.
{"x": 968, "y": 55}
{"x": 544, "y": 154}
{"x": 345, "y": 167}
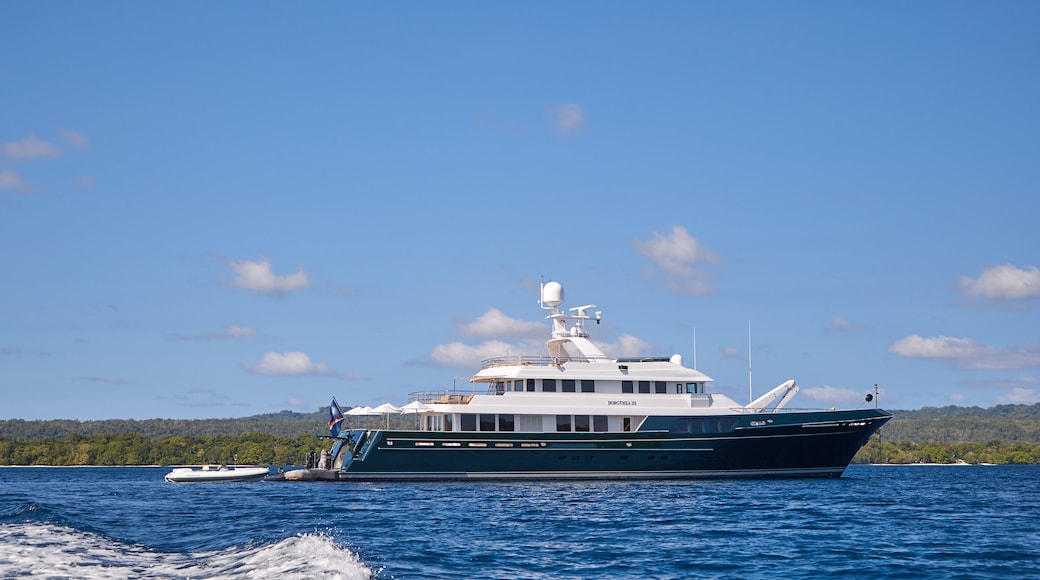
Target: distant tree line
{"x": 134, "y": 449}
{"x": 1001, "y": 434}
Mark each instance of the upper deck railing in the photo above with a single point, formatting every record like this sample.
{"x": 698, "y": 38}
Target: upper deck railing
{"x": 502, "y": 361}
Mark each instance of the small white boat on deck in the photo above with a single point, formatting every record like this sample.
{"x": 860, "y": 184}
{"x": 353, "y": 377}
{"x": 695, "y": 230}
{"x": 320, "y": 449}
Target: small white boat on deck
{"x": 217, "y": 473}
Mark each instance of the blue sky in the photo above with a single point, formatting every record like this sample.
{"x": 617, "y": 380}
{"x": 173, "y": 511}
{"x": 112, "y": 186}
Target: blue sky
{"x": 219, "y": 210}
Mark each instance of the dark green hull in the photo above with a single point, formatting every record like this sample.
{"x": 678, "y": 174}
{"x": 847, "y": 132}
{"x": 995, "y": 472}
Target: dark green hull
{"x": 789, "y": 444}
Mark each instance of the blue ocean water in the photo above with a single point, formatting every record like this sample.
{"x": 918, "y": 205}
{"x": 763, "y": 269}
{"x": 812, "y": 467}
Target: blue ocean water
{"x": 875, "y": 522}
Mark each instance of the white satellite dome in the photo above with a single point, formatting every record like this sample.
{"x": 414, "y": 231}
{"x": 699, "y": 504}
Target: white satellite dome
{"x": 552, "y": 294}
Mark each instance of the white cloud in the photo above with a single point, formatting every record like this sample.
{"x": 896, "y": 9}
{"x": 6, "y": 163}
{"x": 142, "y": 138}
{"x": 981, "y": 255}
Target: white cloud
{"x": 288, "y": 364}
{"x": 10, "y": 180}
{"x": 679, "y": 255}
{"x": 966, "y": 353}
{"x": 76, "y": 139}
{"x": 495, "y": 324}
{"x": 828, "y": 394}
{"x": 731, "y": 352}
{"x": 29, "y": 148}
{"x": 839, "y": 325}
{"x": 626, "y": 345}
{"x": 231, "y": 332}
{"x": 258, "y": 277}
{"x": 460, "y": 355}
{"x": 1004, "y": 282}
{"x": 957, "y": 398}
{"x": 1020, "y": 396}
{"x": 568, "y": 118}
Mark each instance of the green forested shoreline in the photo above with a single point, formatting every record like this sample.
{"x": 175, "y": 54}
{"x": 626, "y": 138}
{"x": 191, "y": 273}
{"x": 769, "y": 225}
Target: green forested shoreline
{"x": 1000, "y": 435}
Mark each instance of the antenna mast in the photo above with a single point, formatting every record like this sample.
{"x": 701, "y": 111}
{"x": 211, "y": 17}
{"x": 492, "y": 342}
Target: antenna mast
{"x": 694, "y": 348}
{"x": 749, "y": 391}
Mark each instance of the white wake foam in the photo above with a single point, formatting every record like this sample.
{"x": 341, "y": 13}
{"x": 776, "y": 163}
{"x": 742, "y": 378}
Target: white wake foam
{"x": 60, "y": 552}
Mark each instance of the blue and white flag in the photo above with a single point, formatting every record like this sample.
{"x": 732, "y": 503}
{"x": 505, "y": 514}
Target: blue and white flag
{"x": 335, "y": 418}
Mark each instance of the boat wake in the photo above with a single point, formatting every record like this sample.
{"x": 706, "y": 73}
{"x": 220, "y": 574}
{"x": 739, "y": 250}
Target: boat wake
{"x": 50, "y": 550}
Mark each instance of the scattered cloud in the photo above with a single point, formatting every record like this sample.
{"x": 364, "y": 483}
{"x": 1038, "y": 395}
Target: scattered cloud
{"x": 76, "y": 139}
{"x": 11, "y": 181}
{"x": 231, "y": 332}
{"x": 495, "y": 324}
{"x": 568, "y": 118}
{"x": 29, "y": 148}
{"x": 680, "y": 256}
{"x": 966, "y": 353}
{"x": 286, "y": 364}
{"x": 345, "y": 291}
{"x": 839, "y": 325}
{"x": 732, "y": 352}
{"x": 259, "y": 277}
{"x": 626, "y": 345}
{"x": 10, "y": 351}
{"x": 1020, "y": 396}
{"x": 1004, "y": 282}
{"x": 828, "y": 394}
{"x": 84, "y": 182}
{"x": 957, "y": 398}
{"x": 461, "y": 355}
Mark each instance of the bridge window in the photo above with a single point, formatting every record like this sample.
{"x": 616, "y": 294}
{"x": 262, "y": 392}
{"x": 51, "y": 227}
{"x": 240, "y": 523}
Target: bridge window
{"x": 644, "y": 386}
{"x": 548, "y": 385}
{"x": 568, "y": 385}
{"x": 588, "y": 386}
{"x": 530, "y": 385}
{"x": 660, "y": 387}
{"x": 626, "y": 386}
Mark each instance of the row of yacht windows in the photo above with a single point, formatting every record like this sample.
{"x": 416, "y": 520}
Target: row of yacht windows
{"x": 589, "y": 386}
{"x": 529, "y": 423}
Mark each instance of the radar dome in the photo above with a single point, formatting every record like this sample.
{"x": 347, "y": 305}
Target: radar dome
{"x": 552, "y": 294}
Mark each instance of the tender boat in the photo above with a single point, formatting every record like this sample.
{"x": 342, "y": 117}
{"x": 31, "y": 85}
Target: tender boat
{"x": 580, "y": 414}
{"x": 217, "y": 473}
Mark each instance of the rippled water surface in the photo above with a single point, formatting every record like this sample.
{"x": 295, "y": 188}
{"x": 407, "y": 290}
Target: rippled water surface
{"x": 875, "y": 522}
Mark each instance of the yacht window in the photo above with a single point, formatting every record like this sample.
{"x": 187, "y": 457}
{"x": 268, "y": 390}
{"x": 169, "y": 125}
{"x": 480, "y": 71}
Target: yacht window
{"x": 678, "y": 388}
{"x": 726, "y": 424}
{"x": 626, "y": 386}
{"x": 530, "y": 385}
{"x": 468, "y": 422}
{"x": 563, "y": 422}
{"x": 568, "y": 385}
{"x": 660, "y": 387}
{"x": 626, "y": 423}
{"x": 505, "y": 422}
{"x": 599, "y": 423}
{"x": 680, "y": 426}
{"x": 697, "y": 425}
{"x": 487, "y": 422}
{"x": 500, "y": 387}
{"x": 447, "y": 423}
{"x": 691, "y": 388}
{"x": 581, "y": 423}
{"x": 548, "y": 385}
{"x": 644, "y": 386}
{"x": 588, "y": 386}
